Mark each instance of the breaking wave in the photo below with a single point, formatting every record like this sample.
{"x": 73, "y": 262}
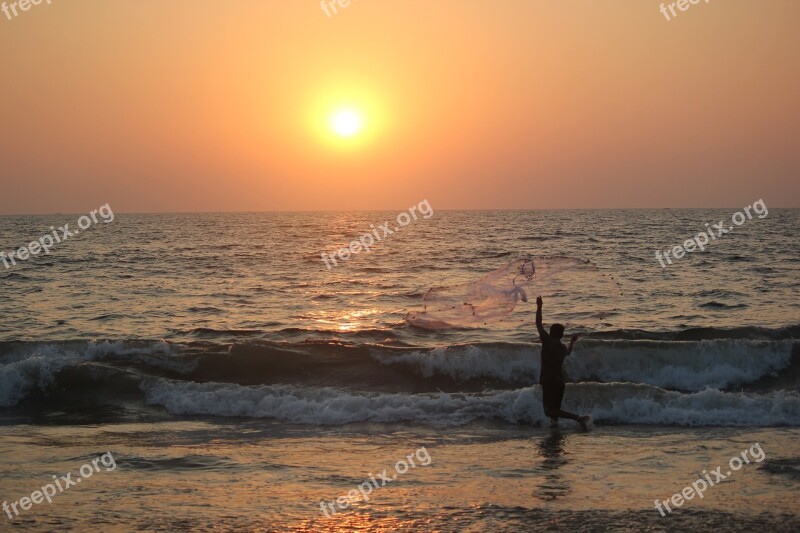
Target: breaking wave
{"x": 608, "y": 403}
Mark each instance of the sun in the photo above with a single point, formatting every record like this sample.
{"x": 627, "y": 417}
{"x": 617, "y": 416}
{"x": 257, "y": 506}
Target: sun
{"x": 346, "y": 117}
{"x": 347, "y": 123}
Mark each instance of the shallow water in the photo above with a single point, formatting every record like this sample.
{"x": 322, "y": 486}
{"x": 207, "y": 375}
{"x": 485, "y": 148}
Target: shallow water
{"x": 260, "y": 476}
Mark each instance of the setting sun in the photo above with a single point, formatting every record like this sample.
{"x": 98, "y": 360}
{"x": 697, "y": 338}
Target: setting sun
{"x": 346, "y": 123}
{"x": 348, "y": 115}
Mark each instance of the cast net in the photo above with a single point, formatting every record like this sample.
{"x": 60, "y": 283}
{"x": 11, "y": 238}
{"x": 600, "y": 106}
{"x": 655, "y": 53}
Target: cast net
{"x": 493, "y": 297}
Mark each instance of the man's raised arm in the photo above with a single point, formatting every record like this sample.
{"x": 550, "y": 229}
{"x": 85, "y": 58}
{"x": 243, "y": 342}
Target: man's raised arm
{"x": 539, "y": 326}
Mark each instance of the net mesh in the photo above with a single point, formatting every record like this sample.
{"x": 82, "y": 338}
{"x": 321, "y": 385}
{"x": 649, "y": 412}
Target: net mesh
{"x": 493, "y": 297}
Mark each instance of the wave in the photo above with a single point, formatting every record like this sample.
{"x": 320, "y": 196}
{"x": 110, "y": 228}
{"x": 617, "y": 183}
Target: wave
{"x": 719, "y": 305}
{"x": 608, "y": 403}
{"x": 689, "y": 366}
{"x": 679, "y": 365}
{"x": 683, "y": 365}
{"x": 18, "y": 377}
{"x": 397, "y": 333}
{"x": 704, "y": 333}
{"x": 25, "y": 368}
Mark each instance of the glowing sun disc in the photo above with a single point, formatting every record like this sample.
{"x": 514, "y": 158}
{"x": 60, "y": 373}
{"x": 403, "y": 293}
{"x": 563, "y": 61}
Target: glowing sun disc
{"x": 346, "y": 123}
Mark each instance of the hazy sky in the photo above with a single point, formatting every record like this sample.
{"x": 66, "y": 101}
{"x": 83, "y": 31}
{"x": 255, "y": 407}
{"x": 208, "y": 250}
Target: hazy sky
{"x": 201, "y": 105}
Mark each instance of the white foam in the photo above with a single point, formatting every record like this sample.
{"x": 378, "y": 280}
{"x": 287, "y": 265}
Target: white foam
{"x": 686, "y": 365}
{"x": 466, "y": 362}
{"x": 20, "y": 373}
{"x": 31, "y": 366}
{"x": 611, "y": 403}
{"x": 689, "y": 365}
{"x": 156, "y": 354}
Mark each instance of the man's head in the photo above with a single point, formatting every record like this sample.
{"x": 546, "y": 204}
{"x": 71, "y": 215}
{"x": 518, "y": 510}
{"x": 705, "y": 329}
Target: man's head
{"x": 557, "y": 331}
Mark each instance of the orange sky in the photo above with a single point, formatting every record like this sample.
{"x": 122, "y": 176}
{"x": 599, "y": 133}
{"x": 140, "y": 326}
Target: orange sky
{"x": 199, "y": 105}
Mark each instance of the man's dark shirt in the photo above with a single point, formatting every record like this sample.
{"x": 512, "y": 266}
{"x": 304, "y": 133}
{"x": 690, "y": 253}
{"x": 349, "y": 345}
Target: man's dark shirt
{"x": 553, "y": 354}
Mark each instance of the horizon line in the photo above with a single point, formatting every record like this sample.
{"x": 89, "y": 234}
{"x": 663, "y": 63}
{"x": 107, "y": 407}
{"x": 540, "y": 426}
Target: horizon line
{"x": 383, "y": 210}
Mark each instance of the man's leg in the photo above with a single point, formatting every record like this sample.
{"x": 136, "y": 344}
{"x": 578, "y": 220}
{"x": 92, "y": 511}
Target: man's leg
{"x": 583, "y": 420}
{"x": 549, "y": 398}
{"x": 558, "y": 413}
{"x": 555, "y": 407}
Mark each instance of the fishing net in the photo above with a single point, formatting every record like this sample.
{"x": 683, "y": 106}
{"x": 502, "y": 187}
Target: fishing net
{"x": 493, "y": 297}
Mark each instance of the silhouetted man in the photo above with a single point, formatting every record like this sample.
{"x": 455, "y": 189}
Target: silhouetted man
{"x": 551, "y": 377}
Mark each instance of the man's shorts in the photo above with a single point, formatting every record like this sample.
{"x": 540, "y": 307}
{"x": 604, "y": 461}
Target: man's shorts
{"x": 552, "y": 394}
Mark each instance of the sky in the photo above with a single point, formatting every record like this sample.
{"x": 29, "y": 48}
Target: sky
{"x": 274, "y": 105}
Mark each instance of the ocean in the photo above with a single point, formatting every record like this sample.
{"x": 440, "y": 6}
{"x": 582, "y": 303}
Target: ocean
{"x": 240, "y": 381}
